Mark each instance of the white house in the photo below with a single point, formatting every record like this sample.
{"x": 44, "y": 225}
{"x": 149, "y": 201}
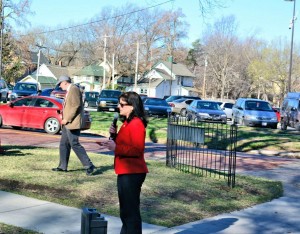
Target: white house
{"x": 166, "y": 79}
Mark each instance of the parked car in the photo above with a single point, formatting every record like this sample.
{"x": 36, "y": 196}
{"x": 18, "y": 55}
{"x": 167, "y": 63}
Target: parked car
{"x": 4, "y": 90}
{"x": 156, "y": 107}
{"x": 290, "y": 111}
{"x": 57, "y": 92}
{"x": 38, "y": 112}
{"x": 227, "y": 108}
{"x": 179, "y": 106}
{"x": 277, "y": 112}
{"x": 202, "y": 110}
{"x": 254, "y": 112}
{"x": 174, "y": 97}
{"x": 91, "y": 99}
{"x": 23, "y": 89}
{"x": 108, "y": 100}
{"x": 46, "y": 92}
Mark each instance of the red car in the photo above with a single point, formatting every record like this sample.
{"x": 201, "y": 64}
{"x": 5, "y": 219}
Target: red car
{"x": 38, "y": 112}
{"x": 277, "y": 111}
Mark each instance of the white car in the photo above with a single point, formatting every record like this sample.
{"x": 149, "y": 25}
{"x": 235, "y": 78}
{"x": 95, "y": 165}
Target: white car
{"x": 227, "y": 108}
{"x": 179, "y": 106}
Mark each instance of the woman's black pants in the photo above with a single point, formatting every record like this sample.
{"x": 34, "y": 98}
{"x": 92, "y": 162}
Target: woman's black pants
{"x": 129, "y": 190}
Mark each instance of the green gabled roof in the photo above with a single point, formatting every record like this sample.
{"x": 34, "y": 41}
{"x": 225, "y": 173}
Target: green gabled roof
{"x": 91, "y": 70}
{"x": 47, "y": 80}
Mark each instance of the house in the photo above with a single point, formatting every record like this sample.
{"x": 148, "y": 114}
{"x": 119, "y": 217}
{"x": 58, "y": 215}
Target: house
{"x": 93, "y": 76}
{"x": 166, "y": 78}
{"x": 56, "y": 71}
{"x": 44, "y": 81}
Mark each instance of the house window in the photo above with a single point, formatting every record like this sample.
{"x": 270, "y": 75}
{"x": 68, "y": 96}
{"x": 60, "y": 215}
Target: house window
{"x": 144, "y": 91}
{"x": 96, "y": 78}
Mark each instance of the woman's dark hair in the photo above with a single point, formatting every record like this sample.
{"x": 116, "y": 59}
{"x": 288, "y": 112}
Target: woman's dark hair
{"x": 133, "y": 99}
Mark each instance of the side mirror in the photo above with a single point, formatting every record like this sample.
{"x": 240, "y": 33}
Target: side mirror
{"x": 11, "y": 104}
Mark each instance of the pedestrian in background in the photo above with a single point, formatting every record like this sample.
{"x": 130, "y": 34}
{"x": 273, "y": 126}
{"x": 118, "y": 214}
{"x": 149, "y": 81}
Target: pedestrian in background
{"x": 130, "y": 165}
{"x": 71, "y": 124}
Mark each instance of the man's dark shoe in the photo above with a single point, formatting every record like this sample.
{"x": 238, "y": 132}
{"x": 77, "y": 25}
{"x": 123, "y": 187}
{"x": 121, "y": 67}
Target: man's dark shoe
{"x": 58, "y": 169}
{"x": 90, "y": 170}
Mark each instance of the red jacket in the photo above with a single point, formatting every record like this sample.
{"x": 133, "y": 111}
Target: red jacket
{"x": 130, "y": 146}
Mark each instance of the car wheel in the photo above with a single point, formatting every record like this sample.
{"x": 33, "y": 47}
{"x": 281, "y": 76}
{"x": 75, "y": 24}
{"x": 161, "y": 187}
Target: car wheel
{"x": 52, "y": 126}
{"x": 6, "y": 99}
{"x": 283, "y": 125}
{"x": 243, "y": 122}
{"x": 16, "y": 127}
{"x": 86, "y": 104}
{"x": 183, "y": 112}
{"x": 297, "y": 126}
{"x": 188, "y": 117}
{"x": 274, "y": 126}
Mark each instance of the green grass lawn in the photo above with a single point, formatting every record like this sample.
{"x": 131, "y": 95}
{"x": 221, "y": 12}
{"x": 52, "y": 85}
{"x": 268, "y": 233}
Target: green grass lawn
{"x": 8, "y": 229}
{"x": 169, "y": 197}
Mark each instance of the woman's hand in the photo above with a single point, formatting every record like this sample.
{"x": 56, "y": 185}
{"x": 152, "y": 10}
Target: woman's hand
{"x": 110, "y": 144}
{"x": 112, "y": 129}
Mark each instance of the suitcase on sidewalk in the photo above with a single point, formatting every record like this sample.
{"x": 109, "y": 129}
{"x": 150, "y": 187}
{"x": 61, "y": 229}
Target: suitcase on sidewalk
{"x": 92, "y": 222}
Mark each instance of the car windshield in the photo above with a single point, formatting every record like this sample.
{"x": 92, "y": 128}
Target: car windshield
{"x": 156, "y": 102}
{"x": 208, "y": 105}
{"x": 110, "y": 94}
{"x": 24, "y": 86}
{"x": 91, "y": 94}
{"x": 172, "y": 98}
{"x": 258, "y": 105}
{"x": 179, "y": 100}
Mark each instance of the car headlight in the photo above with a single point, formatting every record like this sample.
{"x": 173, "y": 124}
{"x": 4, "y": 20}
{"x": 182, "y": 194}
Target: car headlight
{"x": 274, "y": 119}
{"x": 203, "y": 114}
{"x": 146, "y": 108}
{"x": 102, "y": 103}
{"x": 250, "y": 117}
{"x": 223, "y": 116}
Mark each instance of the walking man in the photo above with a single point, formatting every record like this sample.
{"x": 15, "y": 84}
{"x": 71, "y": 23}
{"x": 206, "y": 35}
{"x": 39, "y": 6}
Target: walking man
{"x": 71, "y": 125}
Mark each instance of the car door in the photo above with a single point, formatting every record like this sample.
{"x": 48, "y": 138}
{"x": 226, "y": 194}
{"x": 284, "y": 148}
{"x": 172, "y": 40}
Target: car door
{"x": 18, "y": 111}
{"x": 37, "y": 113}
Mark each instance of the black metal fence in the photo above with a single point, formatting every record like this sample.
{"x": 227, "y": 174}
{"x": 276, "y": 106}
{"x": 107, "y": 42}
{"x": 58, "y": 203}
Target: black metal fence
{"x": 207, "y": 149}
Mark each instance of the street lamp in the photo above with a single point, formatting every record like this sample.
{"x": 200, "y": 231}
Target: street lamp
{"x": 292, "y": 44}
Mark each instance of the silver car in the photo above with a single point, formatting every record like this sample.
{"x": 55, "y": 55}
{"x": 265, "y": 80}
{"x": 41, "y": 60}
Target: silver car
{"x": 3, "y": 91}
{"x": 202, "y": 110}
{"x": 254, "y": 112}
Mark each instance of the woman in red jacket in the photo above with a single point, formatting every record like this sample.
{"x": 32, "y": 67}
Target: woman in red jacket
{"x": 130, "y": 165}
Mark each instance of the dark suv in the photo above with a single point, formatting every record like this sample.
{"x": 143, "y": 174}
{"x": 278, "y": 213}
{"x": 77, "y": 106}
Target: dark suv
{"x": 290, "y": 111}
{"x": 22, "y": 89}
{"x": 108, "y": 100}
{"x": 91, "y": 99}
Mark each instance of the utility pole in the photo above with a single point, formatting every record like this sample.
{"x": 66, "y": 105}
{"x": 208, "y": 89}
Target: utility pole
{"x": 292, "y": 44}
{"x": 38, "y": 66}
{"x": 104, "y": 65}
{"x": 113, "y": 71}
{"x": 1, "y": 34}
{"x": 136, "y": 65}
{"x": 204, "y": 78}
{"x": 39, "y": 60}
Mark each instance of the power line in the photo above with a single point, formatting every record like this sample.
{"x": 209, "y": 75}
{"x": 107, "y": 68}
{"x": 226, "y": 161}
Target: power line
{"x": 97, "y": 21}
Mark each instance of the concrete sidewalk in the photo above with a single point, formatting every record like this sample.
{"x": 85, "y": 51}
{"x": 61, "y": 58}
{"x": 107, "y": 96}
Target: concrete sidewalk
{"x": 51, "y": 218}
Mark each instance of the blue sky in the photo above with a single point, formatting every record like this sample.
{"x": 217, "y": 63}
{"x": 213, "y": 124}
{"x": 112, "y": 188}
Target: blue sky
{"x": 267, "y": 19}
